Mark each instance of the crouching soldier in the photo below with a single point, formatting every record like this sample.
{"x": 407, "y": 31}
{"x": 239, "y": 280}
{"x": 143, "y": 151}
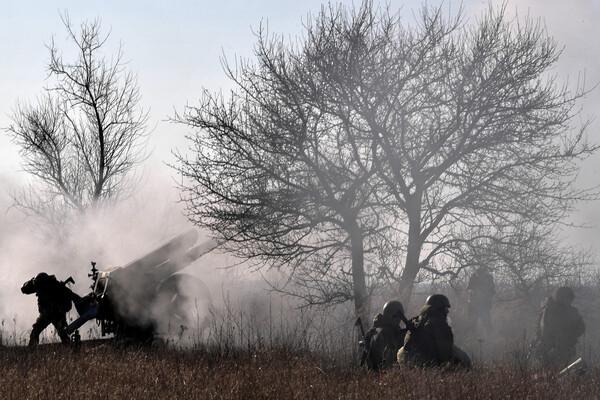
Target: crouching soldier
{"x": 54, "y": 301}
{"x": 385, "y": 338}
{"x": 429, "y": 341}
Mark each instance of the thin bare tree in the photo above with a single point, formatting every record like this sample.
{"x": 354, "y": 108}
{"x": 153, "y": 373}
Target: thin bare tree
{"x": 86, "y": 133}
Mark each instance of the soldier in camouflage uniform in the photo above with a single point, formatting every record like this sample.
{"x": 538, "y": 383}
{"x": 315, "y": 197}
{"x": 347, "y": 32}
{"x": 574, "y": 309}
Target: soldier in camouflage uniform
{"x": 386, "y": 336}
{"x": 429, "y": 341}
{"x": 54, "y": 301}
{"x": 559, "y": 329}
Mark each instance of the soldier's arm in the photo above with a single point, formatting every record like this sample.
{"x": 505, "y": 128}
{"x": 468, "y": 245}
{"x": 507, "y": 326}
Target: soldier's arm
{"x": 28, "y": 287}
{"x": 377, "y": 351}
{"x": 390, "y": 353}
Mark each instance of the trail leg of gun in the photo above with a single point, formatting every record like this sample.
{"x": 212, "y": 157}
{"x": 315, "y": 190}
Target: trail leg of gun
{"x": 90, "y": 313}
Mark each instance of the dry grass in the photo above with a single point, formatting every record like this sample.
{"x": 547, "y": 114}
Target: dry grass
{"x": 53, "y": 372}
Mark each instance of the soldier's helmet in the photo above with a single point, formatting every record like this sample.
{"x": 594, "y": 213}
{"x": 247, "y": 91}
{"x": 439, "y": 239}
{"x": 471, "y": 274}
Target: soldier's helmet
{"x": 564, "y": 295}
{"x": 393, "y": 309}
{"x": 438, "y": 301}
{"x": 41, "y": 278}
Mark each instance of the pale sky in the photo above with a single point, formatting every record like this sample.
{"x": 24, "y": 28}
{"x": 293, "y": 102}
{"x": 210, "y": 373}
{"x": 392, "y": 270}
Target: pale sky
{"x": 175, "y": 47}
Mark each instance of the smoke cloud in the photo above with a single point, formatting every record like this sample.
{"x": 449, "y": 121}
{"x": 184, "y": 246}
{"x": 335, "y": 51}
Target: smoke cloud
{"x": 111, "y": 236}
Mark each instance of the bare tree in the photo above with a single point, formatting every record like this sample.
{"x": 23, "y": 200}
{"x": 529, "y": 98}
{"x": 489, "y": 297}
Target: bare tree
{"x": 367, "y": 133}
{"x": 528, "y": 259}
{"x": 285, "y": 179}
{"x": 472, "y": 132}
{"x": 86, "y": 133}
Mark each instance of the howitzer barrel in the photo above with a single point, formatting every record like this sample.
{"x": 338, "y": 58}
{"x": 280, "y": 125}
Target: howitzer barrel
{"x": 167, "y": 251}
{"x": 181, "y": 261}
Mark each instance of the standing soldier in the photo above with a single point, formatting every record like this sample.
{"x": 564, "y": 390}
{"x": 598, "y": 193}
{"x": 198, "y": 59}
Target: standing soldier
{"x": 54, "y": 301}
{"x": 385, "y": 338}
{"x": 429, "y": 341}
{"x": 559, "y": 329}
{"x": 481, "y": 290}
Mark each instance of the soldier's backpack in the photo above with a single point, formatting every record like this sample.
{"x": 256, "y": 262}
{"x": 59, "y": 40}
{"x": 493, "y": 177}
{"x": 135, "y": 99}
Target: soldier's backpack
{"x": 62, "y": 295}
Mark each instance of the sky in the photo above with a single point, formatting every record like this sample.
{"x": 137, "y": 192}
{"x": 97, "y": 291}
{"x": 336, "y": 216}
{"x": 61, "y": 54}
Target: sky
{"x": 176, "y": 47}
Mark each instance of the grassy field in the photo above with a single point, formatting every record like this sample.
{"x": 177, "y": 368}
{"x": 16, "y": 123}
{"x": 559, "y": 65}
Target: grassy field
{"x": 53, "y": 372}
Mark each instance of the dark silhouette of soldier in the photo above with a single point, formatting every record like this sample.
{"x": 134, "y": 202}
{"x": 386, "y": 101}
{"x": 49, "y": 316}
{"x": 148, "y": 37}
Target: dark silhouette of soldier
{"x": 560, "y": 327}
{"x": 429, "y": 341}
{"x": 54, "y": 301}
{"x": 386, "y": 337}
{"x": 481, "y": 290}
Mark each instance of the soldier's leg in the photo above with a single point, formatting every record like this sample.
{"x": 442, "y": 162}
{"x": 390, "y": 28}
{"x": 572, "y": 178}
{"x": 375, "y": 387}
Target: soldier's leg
{"x": 487, "y": 316}
{"x": 38, "y": 326}
{"x": 564, "y": 356}
{"x": 60, "y": 324}
{"x": 474, "y": 317}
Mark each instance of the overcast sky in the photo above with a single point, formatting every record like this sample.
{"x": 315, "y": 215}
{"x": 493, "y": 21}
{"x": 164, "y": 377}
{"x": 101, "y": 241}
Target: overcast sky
{"x": 175, "y": 46}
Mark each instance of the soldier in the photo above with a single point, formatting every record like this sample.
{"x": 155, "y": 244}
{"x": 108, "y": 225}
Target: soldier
{"x": 54, "y": 301}
{"x": 429, "y": 341}
{"x": 481, "y": 290}
{"x": 386, "y": 337}
{"x": 559, "y": 329}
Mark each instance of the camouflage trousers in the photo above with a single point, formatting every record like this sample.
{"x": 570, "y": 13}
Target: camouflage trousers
{"x": 57, "y": 319}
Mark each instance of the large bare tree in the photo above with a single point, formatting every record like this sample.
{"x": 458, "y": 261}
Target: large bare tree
{"x": 472, "y": 129}
{"x": 406, "y": 137}
{"x": 279, "y": 177}
{"x": 86, "y": 133}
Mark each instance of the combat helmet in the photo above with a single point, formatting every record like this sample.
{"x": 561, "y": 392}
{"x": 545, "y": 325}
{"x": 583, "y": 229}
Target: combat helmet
{"x": 564, "y": 295}
{"x": 41, "y": 278}
{"x": 438, "y": 301}
{"x": 392, "y": 308}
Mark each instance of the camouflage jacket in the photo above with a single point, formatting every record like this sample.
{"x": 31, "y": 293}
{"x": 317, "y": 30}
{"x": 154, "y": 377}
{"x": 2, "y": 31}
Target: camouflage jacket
{"x": 560, "y": 325}
{"x": 431, "y": 341}
{"x": 52, "y": 296}
{"x": 481, "y": 288}
{"x": 384, "y": 344}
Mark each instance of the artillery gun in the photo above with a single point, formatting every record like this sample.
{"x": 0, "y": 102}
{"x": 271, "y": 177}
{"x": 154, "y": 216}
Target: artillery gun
{"x": 140, "y": 300}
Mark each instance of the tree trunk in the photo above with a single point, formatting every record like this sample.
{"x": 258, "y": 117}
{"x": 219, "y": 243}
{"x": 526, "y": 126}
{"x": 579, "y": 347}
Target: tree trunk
{"x": 413, "y": 250}
{"x": 361, "y": 297}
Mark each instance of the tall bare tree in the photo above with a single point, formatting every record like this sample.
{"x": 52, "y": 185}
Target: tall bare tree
{"x": 85, "y": 134}
{"x": 413, "y": 136}
{"x": 278, "y": 177}
{"x": 472, "y": 130}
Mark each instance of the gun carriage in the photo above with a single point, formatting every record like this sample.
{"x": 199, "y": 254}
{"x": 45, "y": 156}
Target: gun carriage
{"x": 149, "y": 295}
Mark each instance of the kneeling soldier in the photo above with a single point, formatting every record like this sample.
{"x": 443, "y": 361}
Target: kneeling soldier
{"x": 429, "y": 341}
{"x": 386, "y": 337}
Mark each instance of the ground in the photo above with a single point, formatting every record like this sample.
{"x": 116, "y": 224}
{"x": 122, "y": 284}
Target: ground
{"x": 101, "y": 371}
